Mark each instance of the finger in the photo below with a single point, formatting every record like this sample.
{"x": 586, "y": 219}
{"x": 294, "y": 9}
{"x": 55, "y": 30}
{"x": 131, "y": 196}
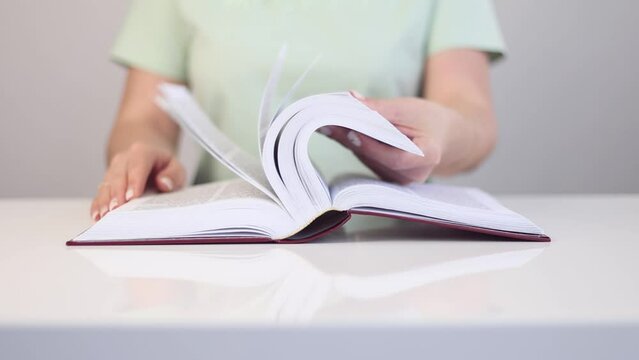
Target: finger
{"x": 387, "y": 162}
{"x": 399, "y": 111}
{"x": 385, "y": 107}
{"x": 325, "y": 130}
{"x": 95, "y": 204}
{"x": 357, "y": 95}
{"x": 336, "y": 133}
{"x": 356, "y": 142}
{"x": 95, "y": 209}
{"x": 414, "y": 167}
{"x": 383, "y": 172}
{"x": 172, "y": 177}
{"x": 103, "y": 198}
{"x": 405, "y": 176}
{"x": 116, "y": 178}
{"x": 139, "y": 167}
{"x": 381, "y": 106}
{"x": 368, "y": 147}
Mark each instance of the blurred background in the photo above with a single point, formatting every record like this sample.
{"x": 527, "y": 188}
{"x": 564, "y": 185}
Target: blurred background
{"x": 567, "y": 97}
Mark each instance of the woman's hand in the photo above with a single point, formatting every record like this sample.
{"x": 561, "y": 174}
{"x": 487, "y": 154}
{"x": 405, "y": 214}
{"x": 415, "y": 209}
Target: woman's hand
{"x": 130, "y": 172}
{"x": 426, "y": 123}
{"x": 454, "y": 125}
{"x": 142, "y": 147}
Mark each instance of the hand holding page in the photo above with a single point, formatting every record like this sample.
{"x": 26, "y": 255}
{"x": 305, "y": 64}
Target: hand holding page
{"x": 282, "y": 197}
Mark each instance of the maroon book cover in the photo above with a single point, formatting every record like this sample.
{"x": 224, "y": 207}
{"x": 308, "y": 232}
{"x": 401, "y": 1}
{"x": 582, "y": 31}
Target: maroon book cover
{"x": 325, "y": 224}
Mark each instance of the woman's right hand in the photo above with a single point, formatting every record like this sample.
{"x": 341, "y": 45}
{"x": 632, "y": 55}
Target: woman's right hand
{"x": 131, "y": 171}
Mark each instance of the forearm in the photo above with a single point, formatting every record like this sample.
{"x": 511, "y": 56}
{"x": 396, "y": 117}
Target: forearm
{"x": 458, "y": 80}
{"x": 127, "y": 133}
{"x": 140, "y": 120}
{"x": 470, "y": 137}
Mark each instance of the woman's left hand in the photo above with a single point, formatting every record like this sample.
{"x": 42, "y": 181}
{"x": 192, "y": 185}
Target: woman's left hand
{"x": 426, "y": 123}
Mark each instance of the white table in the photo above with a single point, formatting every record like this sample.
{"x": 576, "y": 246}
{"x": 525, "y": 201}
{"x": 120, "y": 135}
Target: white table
{"x": 380, "y": 290}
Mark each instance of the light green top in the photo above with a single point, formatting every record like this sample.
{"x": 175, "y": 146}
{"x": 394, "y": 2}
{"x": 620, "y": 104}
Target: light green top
{"x": 224, "y": 50}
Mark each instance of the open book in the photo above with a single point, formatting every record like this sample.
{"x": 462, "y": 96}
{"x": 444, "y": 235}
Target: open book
{"x": 282, "y": 197}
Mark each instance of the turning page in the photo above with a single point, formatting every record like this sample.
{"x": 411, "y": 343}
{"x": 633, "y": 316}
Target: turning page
{"x": 264, "y": 119}
{"x": 266, "y": 116}
{"x": 179, "y": 103}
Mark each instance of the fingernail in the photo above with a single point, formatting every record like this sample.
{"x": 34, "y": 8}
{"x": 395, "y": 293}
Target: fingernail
{"x": 129, "y": 194}
{"x": 325, "y": 130}
{"x": 357, "y": 95}
{"x": 167, "y": 182}
{"x": 113, "y": 204}
{"x": 103, "y": 211}
{"x": 94, "y": 215}
{"x": 354, "y": 138}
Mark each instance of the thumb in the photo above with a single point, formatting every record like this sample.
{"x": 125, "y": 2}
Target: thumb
{"x": 378, "y": 105}
{"x": 172, "y": 177}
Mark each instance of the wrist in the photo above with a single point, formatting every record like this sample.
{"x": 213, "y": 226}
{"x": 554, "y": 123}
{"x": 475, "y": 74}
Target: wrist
{"x": 124, "y": 139}
{"x": 467, "y": 141}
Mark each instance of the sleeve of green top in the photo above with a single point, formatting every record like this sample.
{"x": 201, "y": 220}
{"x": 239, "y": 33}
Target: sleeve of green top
{"x": 469, "y": 24}
{"x": 155, "y": 38}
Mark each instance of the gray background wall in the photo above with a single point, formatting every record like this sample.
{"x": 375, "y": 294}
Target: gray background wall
{"x": 566, "y": 97}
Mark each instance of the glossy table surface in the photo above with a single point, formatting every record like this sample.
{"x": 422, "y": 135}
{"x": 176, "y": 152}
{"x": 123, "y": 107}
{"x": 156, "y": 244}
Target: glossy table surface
{"x": 380, "y": 273}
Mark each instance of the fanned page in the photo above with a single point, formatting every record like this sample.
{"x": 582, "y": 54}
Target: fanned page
{"x": 266, "y": 116}
{"x": 264, "y": 120}
{"x": 285, "y": 157}
{"x": 180, "y": 104}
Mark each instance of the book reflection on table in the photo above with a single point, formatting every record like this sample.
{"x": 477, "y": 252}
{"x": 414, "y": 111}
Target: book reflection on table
{"x": 302, "y": 283}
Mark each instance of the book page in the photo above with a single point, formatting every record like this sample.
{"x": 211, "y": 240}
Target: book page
{"x": 178, "y": 102}
{"x": 198, "y": 194}
{"x": 291, "y": 92}
{"x": 458, "y": 196}
{"x": 227, "y": 209}
{"x": 451, "y": 195}
{"x": 265, "y": 115}
{"x": 286, "y": 160}
{"x": 461, "y": 205}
